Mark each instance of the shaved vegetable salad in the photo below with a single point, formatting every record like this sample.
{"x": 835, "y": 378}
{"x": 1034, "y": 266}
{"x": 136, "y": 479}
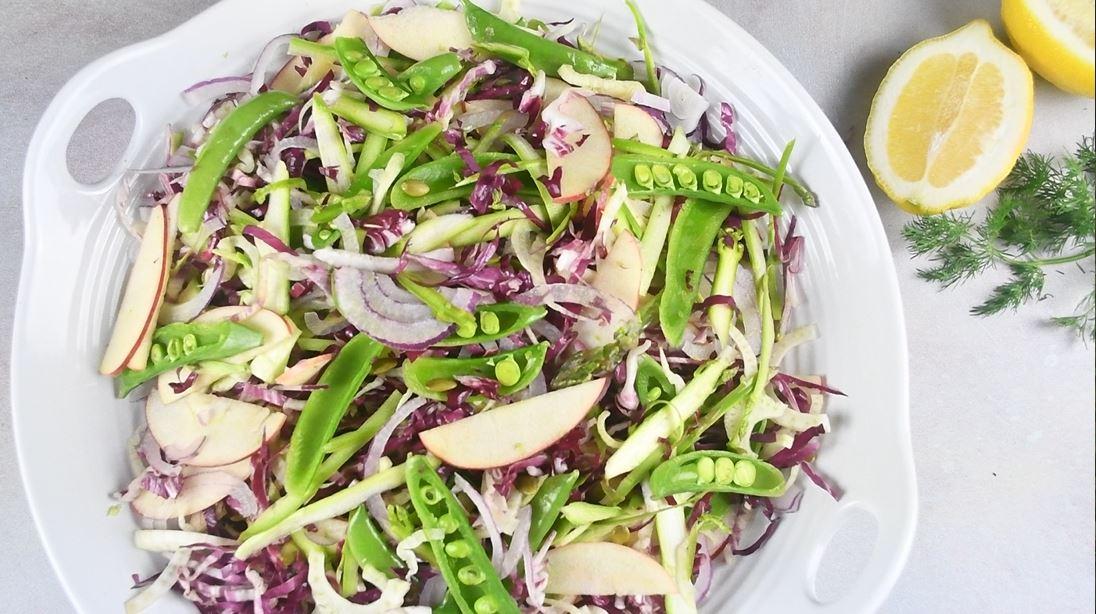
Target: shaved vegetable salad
{"x": 441, "y": 309}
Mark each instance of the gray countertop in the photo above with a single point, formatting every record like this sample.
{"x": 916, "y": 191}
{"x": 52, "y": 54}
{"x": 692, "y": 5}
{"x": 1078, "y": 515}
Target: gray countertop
{"x": 1002, "y": 408}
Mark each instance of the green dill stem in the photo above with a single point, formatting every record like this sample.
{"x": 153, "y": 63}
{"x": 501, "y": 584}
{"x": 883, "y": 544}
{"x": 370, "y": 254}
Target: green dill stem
{"x": 1051, "y": 261}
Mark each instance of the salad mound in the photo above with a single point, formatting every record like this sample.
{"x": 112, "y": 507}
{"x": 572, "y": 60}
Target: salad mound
{"x": 445, "y": 310}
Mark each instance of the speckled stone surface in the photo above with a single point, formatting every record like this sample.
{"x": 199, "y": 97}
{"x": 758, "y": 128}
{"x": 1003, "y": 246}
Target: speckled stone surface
{"x": 1002, "y": 408}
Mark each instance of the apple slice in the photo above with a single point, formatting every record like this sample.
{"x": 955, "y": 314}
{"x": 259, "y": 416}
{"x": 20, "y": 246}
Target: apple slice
{"x": 241, "y": 469}
{"x": 422, "y": 32}
{"x": 605, "y": 568}
{"x": 198, "y": 493}
{"x": 131, "y": 339}
{"x": 304, "y": 371}
{"x": 279, "y": 335}
{"x": 509, "y": 433}
{"x": 224, "y": 430}
{"x": 297, "y": 75}
{"x": 632, "y": 122}
{"x": 585, "y": 166}
{"x": 554, "y": 88}
{"x": 619, "y": 275}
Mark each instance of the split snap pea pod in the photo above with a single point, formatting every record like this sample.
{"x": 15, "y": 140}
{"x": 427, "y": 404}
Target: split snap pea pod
{"x": 224, "y": 143}
{"x": 691, "y": 238}
{"x": 428, "y": 76}
{"x": 430, "y": 376}
{"x": 652, "y": 385}
{"x": 367, "y": 545}
{"x": 696, "y": 179}
{"x": 553, "y": 494}
{"x": 411, "y": 147}
{"x": 716, "y": 471}
{"x": 366, "y": 73}
{"x": 179, "y": 344}
{"x": 436, "y": 181}
{"x": 472, "y": 581}
{"x": 324, "y": 409}
{"x": 440, "y": 306}
{"x": 498, "y": 320}
{"x": 495, "y": 34}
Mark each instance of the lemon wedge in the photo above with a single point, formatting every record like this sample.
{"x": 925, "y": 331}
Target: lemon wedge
{"x": 949, "y": 120}
{"x": 1057, "y": 38}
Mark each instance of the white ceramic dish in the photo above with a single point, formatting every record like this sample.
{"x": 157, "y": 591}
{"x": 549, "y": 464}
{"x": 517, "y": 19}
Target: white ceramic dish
{"x": 71, "y": 431}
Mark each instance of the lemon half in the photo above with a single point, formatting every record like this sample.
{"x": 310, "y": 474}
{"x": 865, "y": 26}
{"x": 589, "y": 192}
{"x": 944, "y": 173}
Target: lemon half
{"x": 1057, "y": 38}
{"x": 949, "y": 120}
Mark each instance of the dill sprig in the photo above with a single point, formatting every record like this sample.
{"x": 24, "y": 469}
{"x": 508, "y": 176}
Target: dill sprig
{"x": 1045, "y": 216}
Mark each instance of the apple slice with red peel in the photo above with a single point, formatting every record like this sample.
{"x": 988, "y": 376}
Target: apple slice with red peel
{"x": 131, "y": 339}
{"x": 620, "y": 275}
{"x": 605, "y": 568}
{"x": 422, "y": 32}
{"x": 632, "y": 122}
{"x": 509, "y": 433}
{"x": 304, "y": 370}
{"x": 298, "y": 75}
{"x": 198, "y": 492}
{"x": 588, "y": 162}
{"x": 223, "y": 430}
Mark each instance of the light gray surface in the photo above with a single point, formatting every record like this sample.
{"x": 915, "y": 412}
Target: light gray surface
{"x": 1002, "y": 408}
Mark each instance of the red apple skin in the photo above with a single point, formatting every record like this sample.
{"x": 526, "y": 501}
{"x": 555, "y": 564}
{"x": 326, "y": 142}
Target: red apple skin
{"x": 588, "y": 164}
{"x": 519, "y": 431}
{"x": 121, "y": 350}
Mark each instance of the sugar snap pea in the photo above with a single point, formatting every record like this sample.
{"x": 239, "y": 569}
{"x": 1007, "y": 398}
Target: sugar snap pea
{"x": 552, "y": 495}
{"x": 366, "y": 73}
{"x": 324, "y": 409}
{"x": 707, "y": 181}
{"x": 498, "y": 320}
{"x": 513, "y": 369}
{"x": 436, "y": 181}
{"x": 428, "y": 76}
{"x": 691, "y": 238}
{"x": 716, "y": 471}
{"x": 495, "y": 34}
{"x": 467, "y": 570}
{"x": 179, "y": 344}
{"x": 652, "y": 385}
{"x": 225, "y": 141}
{"x": 367, "y": 545}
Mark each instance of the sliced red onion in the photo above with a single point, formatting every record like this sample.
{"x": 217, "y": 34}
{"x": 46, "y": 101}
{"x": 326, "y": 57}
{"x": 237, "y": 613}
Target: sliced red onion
{"x": 190, "y": 309}
{"x": 162, "y": 586}
{"x": 372, "y": 459}
{"x": 273, "y": 55}
{"x": 551, "y": 295}
{"x": 533, "y": 98}
{"x": 212, "y": 89}
{"x": 347, "y": 233}
{"x": 519, "y": 543}
{"x": 433, "y": 591}
{"x": 627, "y": 396}
{"x": 462, "y": 485}
{"x": 703, "y": 582}
{"x": 325, "y": 326}
{"x": 443, "y": 110}
{"x": 653, "y": 101}
{"x": 480, "y": 113}
{"x": 371, "y": 464}
{"x": 353, "y": 303}
{"x": 358, "y": 260}
{"x": 388, "y": 300}
{"x": 264, "y": 235}
{"x": 686, "y": 105}
{"x": 241, "y": 498}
